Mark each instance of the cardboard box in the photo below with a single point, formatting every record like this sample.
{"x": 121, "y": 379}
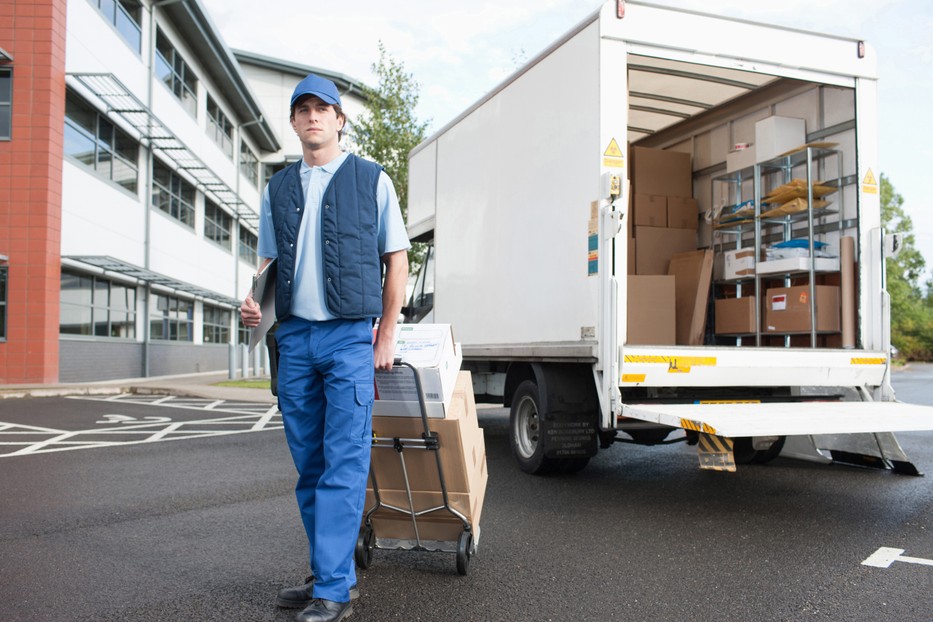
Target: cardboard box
{"x": 440, "y": 526}
{"x": 654, "y": 247}
{"x": 661, "y": 172}
{"x": 462, "y": 447}
{"x": 776, "y": 135}
{"x": 787, "y": 309}
{"x": 737, "y": 159}
{"x": 431, "y": 348}
{"x": 650, "y": 210}
{"x": 652, "y": 310}
{"x": 735, "y": 316}
{"x": 738, "y": 263}
{"x": 693, "y": 273}
{"x": 682, "y": 213}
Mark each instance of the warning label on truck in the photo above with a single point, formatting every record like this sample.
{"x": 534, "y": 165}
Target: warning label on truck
{"x": 612, "y": 156}
{"x": 869, "y": 183}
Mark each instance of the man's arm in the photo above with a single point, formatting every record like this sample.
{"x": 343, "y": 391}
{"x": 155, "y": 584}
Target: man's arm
{"x": 249, "y": 310}
{"x": 393, "y": 296}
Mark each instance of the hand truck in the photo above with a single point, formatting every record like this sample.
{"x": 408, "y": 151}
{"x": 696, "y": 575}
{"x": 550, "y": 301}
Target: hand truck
{"x": 465, "y": 546}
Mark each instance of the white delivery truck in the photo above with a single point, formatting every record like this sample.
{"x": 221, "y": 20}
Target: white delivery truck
{"x": 575, "y": 210}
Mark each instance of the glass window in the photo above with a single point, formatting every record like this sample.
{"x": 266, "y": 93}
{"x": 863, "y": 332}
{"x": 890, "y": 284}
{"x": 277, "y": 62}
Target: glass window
{"x": 126, "y": 16}
{"x": 219, "y": 127}
{"x": 170, "y": 318}
{"x": 6, "y": 103}
{"x": 92, "y": 305}
{"x": 249, "y": 165}
{"x": 217, "y": 224}
{"x": 216, "y": 325}
{"x": 172, "y": 194}
{"x": 3, "y": 290}
{"x": 248, "y": 243}
{"x": 172, "y": 69}
{"x": 96, "y": 142}
{"x": 271, "y": 169}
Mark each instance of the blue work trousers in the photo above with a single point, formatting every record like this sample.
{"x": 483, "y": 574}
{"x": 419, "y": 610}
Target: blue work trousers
{"x": 325, "y": 390}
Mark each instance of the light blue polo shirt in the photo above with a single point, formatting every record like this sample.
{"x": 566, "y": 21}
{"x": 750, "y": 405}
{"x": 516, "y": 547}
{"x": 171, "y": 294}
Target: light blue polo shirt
{"x": 308, "y": 294}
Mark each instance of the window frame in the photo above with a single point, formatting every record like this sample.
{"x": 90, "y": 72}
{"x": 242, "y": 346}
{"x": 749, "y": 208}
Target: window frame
{"x": 219, "y": 127}
{"x": 171, "y": 318}
{"x": 4, "y": 293}
{"x": 106, "y": 136}
{"x": 6, "y": 107}
{"x": 178, "y": 206}
{"x": 211, "y": 222}
{"x": 177, "y": 74}
{"x": 101, "y": 312}
{"x": 249, "y": 164}
{"x": 121, "y": 16}
{"x": 251, "y": 254}
{"x": 215, "y": 330}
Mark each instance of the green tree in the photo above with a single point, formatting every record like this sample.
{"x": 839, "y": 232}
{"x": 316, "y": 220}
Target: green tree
{"x": 911, "y": 306}
{"x": 389, "y": 130}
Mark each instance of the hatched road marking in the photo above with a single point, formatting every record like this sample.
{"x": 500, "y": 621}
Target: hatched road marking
{"x": 235, "y": 418}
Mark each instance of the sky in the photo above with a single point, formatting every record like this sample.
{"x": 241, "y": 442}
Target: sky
{"x": 459, "y": 51}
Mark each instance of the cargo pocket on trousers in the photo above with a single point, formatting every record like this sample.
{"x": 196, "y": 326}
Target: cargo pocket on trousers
{"x": 362, "y": 407}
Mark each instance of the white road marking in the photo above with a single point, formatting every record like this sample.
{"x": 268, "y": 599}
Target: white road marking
{"x": 885, "y": 556}
{"x": 264, "y": 420}
{"x": 242, "y": 417}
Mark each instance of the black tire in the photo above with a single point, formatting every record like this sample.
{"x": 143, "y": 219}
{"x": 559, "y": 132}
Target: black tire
{"x": 744, "y": 451}
{"x": 365, "y": 544}
{"x": 767, "y": 455}
{"x": 464, "y": 552}
{"x": 526, "y": 435}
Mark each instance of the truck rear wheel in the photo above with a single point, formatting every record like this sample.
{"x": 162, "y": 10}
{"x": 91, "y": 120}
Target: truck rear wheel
{"x": 527, "y": 431}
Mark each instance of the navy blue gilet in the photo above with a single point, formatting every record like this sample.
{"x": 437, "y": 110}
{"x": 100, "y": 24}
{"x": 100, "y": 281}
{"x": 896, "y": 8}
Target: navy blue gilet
{"x": 349, "y": 238}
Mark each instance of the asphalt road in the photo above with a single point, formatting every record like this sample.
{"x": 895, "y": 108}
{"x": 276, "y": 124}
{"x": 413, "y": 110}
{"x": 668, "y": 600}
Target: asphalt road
{"x": 129, "y": 526}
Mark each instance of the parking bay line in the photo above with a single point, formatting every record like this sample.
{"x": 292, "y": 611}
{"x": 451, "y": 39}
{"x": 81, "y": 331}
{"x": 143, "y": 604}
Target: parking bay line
{"x": 885, "y": 556}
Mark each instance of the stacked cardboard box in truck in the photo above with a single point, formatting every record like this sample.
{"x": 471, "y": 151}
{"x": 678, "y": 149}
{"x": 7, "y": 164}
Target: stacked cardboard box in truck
{"x": 664, "y": 214}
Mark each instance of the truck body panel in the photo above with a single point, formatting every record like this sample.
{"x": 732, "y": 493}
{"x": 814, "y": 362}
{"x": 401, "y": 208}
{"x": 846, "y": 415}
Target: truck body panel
{"x": 527, "y": 198}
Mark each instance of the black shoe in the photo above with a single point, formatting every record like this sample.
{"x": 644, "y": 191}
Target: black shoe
{"x": 321, "y": 610}
{"x": 300, "y": 595}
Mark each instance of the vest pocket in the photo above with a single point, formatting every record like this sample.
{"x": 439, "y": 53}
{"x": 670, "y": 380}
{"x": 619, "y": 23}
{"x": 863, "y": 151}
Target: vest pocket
{"x": 365, "y": 394}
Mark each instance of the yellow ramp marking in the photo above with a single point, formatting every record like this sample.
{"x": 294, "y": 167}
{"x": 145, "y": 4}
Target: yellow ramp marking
{"x": 675, "y": 364}
{"x": 868, "y": 361}
{"x": 633, "y": 377}
{"x": 715, "y": 453}
{"x": 697, "y": 426}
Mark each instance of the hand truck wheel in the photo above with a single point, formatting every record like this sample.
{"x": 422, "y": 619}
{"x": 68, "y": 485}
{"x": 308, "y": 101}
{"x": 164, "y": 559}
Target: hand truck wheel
{"x": 365, "y": 544}
{"x": 464, "y": 551}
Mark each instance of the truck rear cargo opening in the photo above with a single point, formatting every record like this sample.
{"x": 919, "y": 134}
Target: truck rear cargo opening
{"x": 668, "y": 209}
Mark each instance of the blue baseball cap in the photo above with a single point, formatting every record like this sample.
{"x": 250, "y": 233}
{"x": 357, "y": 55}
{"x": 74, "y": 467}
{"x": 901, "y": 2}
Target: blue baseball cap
{"x": 319, "y": 87}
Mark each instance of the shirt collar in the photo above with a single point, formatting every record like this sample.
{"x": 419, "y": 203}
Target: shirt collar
{"x": 329, "y": 168}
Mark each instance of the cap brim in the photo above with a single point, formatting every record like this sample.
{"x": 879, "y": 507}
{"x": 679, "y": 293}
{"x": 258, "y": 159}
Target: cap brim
{"x": 322, "y": 96}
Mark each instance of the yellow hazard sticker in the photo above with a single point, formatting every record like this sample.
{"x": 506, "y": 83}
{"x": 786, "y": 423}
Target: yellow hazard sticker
{"x": 869, "y": 361}
{"x": 675, "y": 364}
{"x": 869, "y": 183}
{"x": 633, "y": 377}
{"x": 612, "y": 156}
{"x": 715, "y": 453}
{"x": 697, "y": 426}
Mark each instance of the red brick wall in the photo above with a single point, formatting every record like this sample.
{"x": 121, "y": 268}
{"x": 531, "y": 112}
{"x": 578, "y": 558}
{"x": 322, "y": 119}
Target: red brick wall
{"x": 33, "y": 33}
